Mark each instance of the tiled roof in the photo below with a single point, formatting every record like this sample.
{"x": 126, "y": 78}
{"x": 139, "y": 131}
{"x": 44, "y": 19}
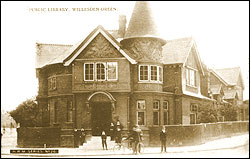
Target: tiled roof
{"x": 176, "y": 51}
{"x": 230, "y": 94}
{"x": 141, "y": 23}
{"x": 50, "y": 53}
{"x": 215, "y": 89}
{"x": 230, "y": 75}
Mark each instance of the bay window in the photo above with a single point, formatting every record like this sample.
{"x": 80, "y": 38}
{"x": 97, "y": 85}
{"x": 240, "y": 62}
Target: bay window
{"x": 150, "y": 73}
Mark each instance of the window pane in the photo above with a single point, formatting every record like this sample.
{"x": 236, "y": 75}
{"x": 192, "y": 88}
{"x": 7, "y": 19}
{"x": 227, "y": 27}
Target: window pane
{"x": 187, "y": 76}
{"x": 69, "y": 111}
{"x": 55, "y": 112}
{"x": 140, "y": 118}
{"x": 100, "y": 70}
{"x": 156, "y": 105}
{"x": 141, "y": 104}
{"x": 160, "y": 74}
{"x": 165, "y": 105}
{"x": 165, "y": 117}
{"x": 143, "y": 72}
{"x": 191, "y": 77}
{"x": 54, "y": 83}
{"x": 192, "y": 118}
{"x": 154, "y": 73}
{"x": 89, "y": 71}
{"x": 112, "y": 66}
{"x": 156, "y": 118}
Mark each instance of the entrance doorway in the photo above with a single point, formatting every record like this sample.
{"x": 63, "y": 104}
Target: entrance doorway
{"x": 101, "y": 117}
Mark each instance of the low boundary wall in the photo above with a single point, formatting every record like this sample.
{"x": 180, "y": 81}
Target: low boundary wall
{"x": 178, "y": 135}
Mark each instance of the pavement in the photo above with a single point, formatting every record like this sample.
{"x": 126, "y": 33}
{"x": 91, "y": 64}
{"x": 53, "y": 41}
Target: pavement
{"x": 236, "y": 141}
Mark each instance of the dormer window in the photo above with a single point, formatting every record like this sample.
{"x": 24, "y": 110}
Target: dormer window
{"x": 150, "y": 73}
{"x": 191, "y": 77}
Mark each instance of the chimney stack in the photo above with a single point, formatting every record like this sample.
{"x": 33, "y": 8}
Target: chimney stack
{"x": 122, "y": 25}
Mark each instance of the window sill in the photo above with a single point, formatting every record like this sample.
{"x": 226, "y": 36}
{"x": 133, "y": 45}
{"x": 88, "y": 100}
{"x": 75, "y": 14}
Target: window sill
{"x": 151, "y": 82}
{"x": 50, "y": 90}
{"x": 111, "y": 81}
{"x": 192, "y": 86}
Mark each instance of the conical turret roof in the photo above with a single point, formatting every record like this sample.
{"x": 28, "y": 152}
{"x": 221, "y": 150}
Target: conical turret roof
{"x": 142, "y": 22}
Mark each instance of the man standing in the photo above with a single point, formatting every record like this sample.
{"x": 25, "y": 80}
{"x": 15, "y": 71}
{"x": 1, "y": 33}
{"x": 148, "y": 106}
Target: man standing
{"x": 82, "y": 137}
{"x": 104, "y": 140}
{"x": 137, "y": 137}
{"x": 118, "y": 138}
{"x": 163, "y": 136}
{"x": 112, "y": 131}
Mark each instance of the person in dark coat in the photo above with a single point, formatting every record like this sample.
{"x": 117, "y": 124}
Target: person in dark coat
{"x": 76, "y": 138}
{"x": 118, "y": 138}
{"x": 136, "y": 137}
{"x": 104, "y": 140}
{"x": 112, "y": 131}
{"x": 163, "y": 138}
{"x": 82, "y": 137}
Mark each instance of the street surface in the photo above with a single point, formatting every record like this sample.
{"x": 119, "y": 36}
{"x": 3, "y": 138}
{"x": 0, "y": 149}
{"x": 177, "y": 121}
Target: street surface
{"x": 230, "y": 147}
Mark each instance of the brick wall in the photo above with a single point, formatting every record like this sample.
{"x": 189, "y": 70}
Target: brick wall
{"x": 180, "y": 135}
{"x": 38, "y": 136}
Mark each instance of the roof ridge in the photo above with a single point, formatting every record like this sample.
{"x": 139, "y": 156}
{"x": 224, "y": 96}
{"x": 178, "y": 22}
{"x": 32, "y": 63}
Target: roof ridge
{"x": 53, "y": 44}
{"x": 180, "y": 39}
{"x": 238, "y": 67}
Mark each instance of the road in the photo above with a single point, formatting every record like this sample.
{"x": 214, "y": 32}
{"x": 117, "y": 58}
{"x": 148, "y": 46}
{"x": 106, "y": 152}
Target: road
{"x": 240, "y": 152}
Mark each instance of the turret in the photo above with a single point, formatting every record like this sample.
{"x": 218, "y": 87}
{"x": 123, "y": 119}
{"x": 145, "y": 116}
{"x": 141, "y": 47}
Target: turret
{"x": 141, "y": 37}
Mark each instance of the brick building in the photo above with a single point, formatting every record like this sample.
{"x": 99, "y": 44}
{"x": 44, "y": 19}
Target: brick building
{"x": 131, "y": 75}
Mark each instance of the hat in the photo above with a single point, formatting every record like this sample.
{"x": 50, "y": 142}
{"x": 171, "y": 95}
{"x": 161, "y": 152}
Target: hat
{"x": 103, "y": 132}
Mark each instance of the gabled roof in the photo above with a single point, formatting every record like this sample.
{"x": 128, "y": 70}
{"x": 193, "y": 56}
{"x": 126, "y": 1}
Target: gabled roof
{"x": 215, "y": 89}
{"x": 230, "y": 75}
{"x": 178, "y": 50}
{"x": 83, "y": 44}
{"x": 50, "y": 53}
{"x": 218, "y": 77}
{"x": 230, "y": 94}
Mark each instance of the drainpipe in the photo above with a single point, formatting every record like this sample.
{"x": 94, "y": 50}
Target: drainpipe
{"x": 128, "y": 122}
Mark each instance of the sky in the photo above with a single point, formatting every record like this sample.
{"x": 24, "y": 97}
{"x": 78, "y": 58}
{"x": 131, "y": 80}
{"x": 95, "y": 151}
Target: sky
{"x": 220, "y": 30}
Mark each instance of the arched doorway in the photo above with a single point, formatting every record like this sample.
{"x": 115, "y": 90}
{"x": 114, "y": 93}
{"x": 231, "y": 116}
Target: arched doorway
{"x": 101, "y": 106}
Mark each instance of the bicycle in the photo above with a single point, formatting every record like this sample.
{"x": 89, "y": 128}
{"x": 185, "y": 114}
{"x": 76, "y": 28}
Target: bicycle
{"x": 140, "y": 147}
{"x": 123, "y": 146}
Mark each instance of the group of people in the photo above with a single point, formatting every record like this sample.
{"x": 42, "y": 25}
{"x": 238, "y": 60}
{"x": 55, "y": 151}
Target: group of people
{"x": 115, "y": 134}
{"x": 80, "y": 137}
{"x": 134, "y": 137}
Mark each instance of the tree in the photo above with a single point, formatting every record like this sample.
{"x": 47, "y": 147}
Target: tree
{"x": 207, "y": 114}
{"x": 229, "y": 112}
{"x": 26, "y": 113}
